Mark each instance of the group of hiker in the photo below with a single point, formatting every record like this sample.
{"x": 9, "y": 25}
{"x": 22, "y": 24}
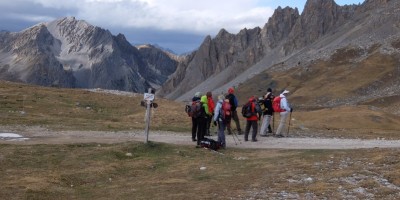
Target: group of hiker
{"x": 204, "y": 112}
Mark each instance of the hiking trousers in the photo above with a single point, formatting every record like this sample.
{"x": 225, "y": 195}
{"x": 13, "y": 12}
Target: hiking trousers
{"x": 201, "y": 129}
{"x": 265, "y": 123}
{"x": 221, "y": 133}
{"x": 236, "y": 119}
{"x": 282, "y": 124}
{"x": 194, "y": 127}
{"x": 254, "y": 126}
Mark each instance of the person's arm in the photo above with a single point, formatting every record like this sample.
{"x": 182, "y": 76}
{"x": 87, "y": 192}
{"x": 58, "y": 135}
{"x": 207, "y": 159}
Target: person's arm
{"x": 216, "y": 111}
{"x": 285, "y": 105}
{"x": 235, "y": 101}
{"x": 206, "y": 109}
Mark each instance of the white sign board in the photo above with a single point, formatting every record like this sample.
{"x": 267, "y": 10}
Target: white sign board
{"x": 148, "y": 97}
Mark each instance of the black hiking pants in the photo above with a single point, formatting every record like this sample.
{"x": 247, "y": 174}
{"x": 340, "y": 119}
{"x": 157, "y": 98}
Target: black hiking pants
{"x": 201, "y": 128}
{"x": 195, "y": 123}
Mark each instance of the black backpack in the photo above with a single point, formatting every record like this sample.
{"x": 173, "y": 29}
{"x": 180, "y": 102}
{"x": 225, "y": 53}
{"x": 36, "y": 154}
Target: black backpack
{"x": 210, "y": 144}
{"x": 246, "y": 110}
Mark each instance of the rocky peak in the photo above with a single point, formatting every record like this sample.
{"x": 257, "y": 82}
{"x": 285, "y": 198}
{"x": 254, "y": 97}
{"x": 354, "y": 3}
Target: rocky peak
{"x": 371, "y": 4}
{"x": 318, "y": 18}
{"x": 279, "y": 25}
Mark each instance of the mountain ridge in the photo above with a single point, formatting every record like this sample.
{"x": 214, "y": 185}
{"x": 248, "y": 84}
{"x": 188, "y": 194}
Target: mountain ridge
{"x": 72, "y": 53}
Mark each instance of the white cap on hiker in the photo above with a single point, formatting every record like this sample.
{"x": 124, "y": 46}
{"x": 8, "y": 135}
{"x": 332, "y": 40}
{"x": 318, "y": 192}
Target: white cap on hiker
{"x": 285, "y": 92}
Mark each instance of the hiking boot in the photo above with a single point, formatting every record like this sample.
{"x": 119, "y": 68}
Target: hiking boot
{"x": 194, "y": 139}
{"x": 246, "y": 139}
{"x": 254, "y": 140}
{"x": 279, "y": 136}
{"x": 263, "y": 135}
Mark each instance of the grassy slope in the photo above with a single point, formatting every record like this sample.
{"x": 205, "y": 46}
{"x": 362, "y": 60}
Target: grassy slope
{"x": 71, "y": 109}
{"x": 160, "y": 171}
{"x": 323, "y": 94}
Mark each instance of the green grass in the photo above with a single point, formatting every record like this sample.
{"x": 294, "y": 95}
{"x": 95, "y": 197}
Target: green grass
{"x": 162, "y": 171}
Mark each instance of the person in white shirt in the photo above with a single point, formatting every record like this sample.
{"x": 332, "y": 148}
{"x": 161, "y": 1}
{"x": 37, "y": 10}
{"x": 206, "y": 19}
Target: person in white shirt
{"x": 285, "y": 106}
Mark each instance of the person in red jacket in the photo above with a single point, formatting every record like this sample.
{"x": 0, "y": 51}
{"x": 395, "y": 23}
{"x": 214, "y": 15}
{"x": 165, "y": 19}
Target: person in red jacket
{"x": 252, "y": 120}
{"x": 211, "y": 106}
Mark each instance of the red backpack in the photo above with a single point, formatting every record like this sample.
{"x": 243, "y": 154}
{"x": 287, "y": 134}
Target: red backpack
{"x": 225, "y": 112}
{"x": 276, "y": 104}
{"x": 193, "y": 110}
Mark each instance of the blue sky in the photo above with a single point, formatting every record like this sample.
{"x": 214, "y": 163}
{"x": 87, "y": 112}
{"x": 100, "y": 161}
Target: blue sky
{"x": 178, "y": 25}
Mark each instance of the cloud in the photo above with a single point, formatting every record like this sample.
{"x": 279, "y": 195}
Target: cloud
{"x": 201, "y": 17}
{"x": 176, "y": 18}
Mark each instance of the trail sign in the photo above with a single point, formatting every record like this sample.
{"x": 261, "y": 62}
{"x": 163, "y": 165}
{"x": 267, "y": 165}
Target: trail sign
{"x": 148, "y": 97}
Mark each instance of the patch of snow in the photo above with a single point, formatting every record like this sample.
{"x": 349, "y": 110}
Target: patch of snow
{"x": 12, "y": 137}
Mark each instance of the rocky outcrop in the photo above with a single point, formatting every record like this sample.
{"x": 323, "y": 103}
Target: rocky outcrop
{"x": 318, "y": 18}
{"x": 280, "y": 25}
{"x": 30, "y": 58}
{"x": 160, "y": 64}
{"x": 286, "y": 40}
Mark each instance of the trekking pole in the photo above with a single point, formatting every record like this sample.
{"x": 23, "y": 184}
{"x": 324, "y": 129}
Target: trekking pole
{"x": 273, "y": 123}
{"x": 237, "y": 137}
{"x": 290, "y": 119}
{"x": 234, "y": 139}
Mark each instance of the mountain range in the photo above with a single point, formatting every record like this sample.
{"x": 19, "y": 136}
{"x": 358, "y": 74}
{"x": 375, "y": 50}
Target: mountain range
{"x": 72, "y": 53}
{"x": 291, "y": 46}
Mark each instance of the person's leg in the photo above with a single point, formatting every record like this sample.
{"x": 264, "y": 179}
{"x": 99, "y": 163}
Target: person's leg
{"x": 268, "y": 123}
{"x": 254, "y": 125}
{"x": 200, "y": 130}
{"x": 208, "y": 125}
{"x": 228, "y": 127}
{"x": 264, "y": 125}
{"x": 282, "y": 123}
{"x": 247, "y": 130}
{"x": 236, "y": 119}
{"x": 221, "y": 134}
{"x": 194, "y": 128}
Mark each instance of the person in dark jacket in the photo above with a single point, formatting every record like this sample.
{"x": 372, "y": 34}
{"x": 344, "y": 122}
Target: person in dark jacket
{"x": 234, "y": 104}
{"x": 202, "y": 120}
{"x": 252, "y": 121}
{"x": 267, "y": 115}
{"x": 195, "y": 119}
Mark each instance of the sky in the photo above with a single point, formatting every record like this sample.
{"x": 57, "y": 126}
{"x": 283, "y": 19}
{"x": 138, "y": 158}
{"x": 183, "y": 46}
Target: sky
{"x": 177, "y": 25}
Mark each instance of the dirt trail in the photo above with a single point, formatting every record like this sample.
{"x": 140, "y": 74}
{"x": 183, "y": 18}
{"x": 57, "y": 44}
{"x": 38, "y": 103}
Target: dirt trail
{"x": 37, "y": 135}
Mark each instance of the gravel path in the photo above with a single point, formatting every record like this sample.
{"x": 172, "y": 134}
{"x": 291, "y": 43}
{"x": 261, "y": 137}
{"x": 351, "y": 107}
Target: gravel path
{"x": 37, "y": 135}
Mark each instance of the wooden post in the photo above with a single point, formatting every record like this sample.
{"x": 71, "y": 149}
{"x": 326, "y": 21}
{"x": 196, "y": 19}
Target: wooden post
{"x": 148, "y": 114}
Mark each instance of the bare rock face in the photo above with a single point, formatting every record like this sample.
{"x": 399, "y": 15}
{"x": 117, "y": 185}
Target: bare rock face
{"x": 286, "y": 40}
{"x": 29, "y": 58}
{"x": 72, "y": 53}
{"x": 213, "y": 57}
{"x": 280, "y": 25}
{"x": 318, "y": 18}
{"x": 160, "y": 64}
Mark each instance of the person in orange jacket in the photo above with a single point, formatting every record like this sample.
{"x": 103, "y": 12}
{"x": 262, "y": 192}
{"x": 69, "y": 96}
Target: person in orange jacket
{"x": 211, "y": 107}
{"x": 252, "y": 121}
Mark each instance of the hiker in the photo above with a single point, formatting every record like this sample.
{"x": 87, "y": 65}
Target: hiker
{"x": 211, "y": 106}
{"x": 252, "y": 120}
{"x": 195, "y": 120}
{"x": 234, "y": 104}
{"x": 284, "y": 111}
{"x": 202, "y": 119}
{"x": 221, "y": 118}
{"x": 272, "y": 98}
{"x": 267, "y": 115}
